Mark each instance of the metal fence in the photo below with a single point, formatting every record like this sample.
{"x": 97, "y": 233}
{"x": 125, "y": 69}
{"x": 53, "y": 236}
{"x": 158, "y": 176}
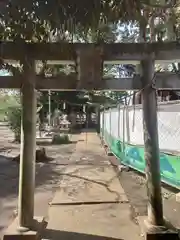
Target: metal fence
{"x": 122, "y": 130}
{"x": 126, "y": 124}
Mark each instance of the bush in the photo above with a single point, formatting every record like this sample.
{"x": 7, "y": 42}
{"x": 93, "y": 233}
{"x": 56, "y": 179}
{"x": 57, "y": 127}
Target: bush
{"x": 60, "y": 139}
{"x": 14, "y": 121}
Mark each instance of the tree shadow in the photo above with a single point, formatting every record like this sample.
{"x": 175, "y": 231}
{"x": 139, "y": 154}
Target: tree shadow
{"x": 57, "y": 234}
{"x": 9, "y": 174}
{"x": 46, "y": 143}
{"x": 6, "y": 149}
{"x": 47, "y": 173}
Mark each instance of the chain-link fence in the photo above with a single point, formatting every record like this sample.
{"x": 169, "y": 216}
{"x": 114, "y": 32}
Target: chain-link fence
{"x": 125, "y": 123}
{"x": 122, "y": 130}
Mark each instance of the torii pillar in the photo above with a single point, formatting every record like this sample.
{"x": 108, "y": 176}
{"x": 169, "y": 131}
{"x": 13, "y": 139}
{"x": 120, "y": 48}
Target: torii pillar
{"x": 155, "y": 226}
{"x": 28, "y": 147}
{"x": 26, "y": 225}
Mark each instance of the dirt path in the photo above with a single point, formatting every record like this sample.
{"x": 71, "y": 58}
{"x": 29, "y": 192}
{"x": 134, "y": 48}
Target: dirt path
{"x": 47, "y": 177}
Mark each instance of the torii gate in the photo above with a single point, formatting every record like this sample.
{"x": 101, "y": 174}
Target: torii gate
{"x": 88, "y": 58}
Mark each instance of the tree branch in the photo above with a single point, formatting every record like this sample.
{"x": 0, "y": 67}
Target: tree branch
{"x": 169, "y": 4}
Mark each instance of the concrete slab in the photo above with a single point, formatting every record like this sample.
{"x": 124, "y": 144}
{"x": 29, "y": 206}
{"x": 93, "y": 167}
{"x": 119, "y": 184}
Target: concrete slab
{"x": 90, "y": 202}
{"x": 12, "y": 232}
{"x": 85, "y": 191}
{"x": 103, "y": 173}
{"x": 88, "y": 157}
{"x": 89, "y": 184}
{"x": 106, "y": 221}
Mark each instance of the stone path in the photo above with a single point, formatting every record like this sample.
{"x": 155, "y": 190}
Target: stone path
{"x": 90, "y": 202}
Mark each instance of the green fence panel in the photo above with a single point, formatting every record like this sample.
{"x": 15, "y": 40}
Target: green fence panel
{"x": 133, "y": 156}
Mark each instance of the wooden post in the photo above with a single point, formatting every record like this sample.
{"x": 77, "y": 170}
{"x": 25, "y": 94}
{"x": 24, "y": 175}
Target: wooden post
{"x": 28, "y": 148}
{"x": 119, "y": 119}
{"x": 110, "y": 120}
{"x": 49, "y": 105}
{"x": 124, "y": 128}
{"x": 98, "y": 119}
{"x": 127, "y": 123}
{"x": 155, "y": 210}
{"x": 103, "y": 122}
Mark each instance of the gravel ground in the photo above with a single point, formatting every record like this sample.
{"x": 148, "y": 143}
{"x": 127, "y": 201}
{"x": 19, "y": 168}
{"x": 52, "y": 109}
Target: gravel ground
{"x": 135, "y": 188}
{"x": 46, "y": 176}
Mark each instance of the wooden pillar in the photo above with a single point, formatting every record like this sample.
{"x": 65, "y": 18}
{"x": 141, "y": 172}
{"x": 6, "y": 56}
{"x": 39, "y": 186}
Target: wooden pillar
{"x": 28, "y": 148}
{"x": 155, "y": 210}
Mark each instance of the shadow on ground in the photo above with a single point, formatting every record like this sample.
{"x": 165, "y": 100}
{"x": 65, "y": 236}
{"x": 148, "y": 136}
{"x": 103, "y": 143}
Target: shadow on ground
{"x": 6, "y": 149}
{"x": 45, "y": 172}
{"x": 134, "y": 185}
{"x": 56, "y": 235}
{"x": 46, "y": 143}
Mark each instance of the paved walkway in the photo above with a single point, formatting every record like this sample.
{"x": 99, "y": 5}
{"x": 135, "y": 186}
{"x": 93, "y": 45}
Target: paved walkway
{"x": 90, "y": 202}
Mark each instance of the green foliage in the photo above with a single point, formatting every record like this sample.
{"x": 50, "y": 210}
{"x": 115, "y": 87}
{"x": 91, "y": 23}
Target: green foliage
{"x": 57, "y": 99}
{"x": 37, "y": 20}
{"x": 33, "y": 20}
{"x": 7, "y": 100}
{"x": 103, "y": 33}
{"x": 116, "y": 96}
{"x": 76, "y": 99}
{"x": 128, "y": 32}
{"x": 14, "y": 121}
{"x": 60, "y": 139}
